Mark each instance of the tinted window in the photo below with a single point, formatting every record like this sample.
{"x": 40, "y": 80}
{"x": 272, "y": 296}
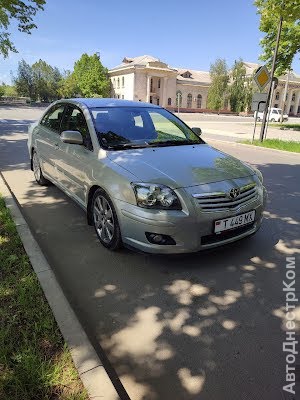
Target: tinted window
{"x": 74, "y": 120}
{"x": 53, "y": 117}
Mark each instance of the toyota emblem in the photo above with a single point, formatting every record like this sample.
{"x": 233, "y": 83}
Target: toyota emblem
{"x": 233, "y": 194}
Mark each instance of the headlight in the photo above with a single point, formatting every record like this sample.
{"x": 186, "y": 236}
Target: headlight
{"x": 259, "y": 174}
{"x": 151, "y": 195}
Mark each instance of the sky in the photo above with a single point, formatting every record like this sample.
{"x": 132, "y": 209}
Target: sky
{"x": 187, "y": 34}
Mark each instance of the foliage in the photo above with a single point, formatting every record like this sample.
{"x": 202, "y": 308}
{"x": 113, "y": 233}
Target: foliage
{"x": 39, "y": 81}
{"x": 22, "y": 11}
{"x": 219, "y": 82}
{"x": 289, "y": 45}
{"x": 237, "y": 88}
{"x": 68, "y": 87}
{"x": 24, "y": 80}
{"x": 7, "y": 90}
{"x": 91, "y": 77}
{"x": 46, "y": 81}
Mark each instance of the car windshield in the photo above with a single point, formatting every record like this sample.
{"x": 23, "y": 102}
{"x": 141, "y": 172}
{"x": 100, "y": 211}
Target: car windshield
{"x": 136, "y": 127}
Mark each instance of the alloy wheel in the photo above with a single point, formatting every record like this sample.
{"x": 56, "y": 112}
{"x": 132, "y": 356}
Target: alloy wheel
{"x": 103, "y": 219}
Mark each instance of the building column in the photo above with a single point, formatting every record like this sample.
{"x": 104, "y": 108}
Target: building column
{"x": 164, "y": 92}
{"x": 297, "y": 100}
{"x": 288, "y": 103}
{"x": 148, "y": 88}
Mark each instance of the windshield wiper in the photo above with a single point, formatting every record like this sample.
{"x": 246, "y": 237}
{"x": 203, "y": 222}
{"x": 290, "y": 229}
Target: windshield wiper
{"x": 173, "y": 143}
{"x": 127, "y": 146}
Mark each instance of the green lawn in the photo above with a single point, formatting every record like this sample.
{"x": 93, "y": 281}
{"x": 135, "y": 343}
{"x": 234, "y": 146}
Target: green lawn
{"x": 35, "y": 364}
{"x": 277, "y": 144}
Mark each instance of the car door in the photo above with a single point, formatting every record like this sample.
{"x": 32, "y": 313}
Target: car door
{"x": 47, "y": 140}
{"x": 74, "y": 164}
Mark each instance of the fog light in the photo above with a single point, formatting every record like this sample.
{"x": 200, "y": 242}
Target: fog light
{"x": 158, "y": 238}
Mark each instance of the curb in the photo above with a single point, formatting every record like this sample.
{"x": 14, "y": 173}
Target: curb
{"x": 90, "y": 369}
{"x": 255, "y": 147}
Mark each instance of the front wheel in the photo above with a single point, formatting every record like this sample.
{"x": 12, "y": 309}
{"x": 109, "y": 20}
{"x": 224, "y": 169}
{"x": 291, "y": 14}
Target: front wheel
{"x": 38, "y": 174}
{"x": 105, "y": 221}
{"x": 272, "y": 120}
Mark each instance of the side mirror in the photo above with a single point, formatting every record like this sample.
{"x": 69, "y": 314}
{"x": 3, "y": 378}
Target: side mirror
{"x": 72, "y": 137}
{"x": 197, "y": 131}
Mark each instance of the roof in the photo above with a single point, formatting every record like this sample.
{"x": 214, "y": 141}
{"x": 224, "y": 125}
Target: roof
{"x": 101, "y": 102}
{"x": 131, "y": 61}
{"x": 197, "y": 76}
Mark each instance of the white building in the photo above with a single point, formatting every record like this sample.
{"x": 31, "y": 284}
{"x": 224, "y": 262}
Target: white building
{"x": 148, "y": 79}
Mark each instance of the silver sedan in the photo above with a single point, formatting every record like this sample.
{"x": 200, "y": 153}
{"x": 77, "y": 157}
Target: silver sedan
{"x": 145, "y": 179}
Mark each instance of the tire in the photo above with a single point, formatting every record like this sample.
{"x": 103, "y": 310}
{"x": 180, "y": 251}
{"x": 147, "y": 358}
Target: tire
{"x": 38, "y": 174}
{"x": 272, "y": 120}
{"x": 105, "y": 221}
{"x": 258, "y": 119}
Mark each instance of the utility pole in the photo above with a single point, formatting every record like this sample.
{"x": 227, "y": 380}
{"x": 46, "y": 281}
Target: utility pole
{"x": 262, "y": 132}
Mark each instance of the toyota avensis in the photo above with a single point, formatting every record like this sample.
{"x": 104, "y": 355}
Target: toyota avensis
{"x": 144, "y": 178}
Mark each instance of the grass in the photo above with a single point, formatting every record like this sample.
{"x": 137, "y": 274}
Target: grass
{"x": 277, "y": 144}
{"x": 295, "y": 127}
{"x": 35, "y": 364}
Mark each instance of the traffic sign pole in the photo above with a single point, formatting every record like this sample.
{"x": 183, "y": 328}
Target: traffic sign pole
{"x": 262, "y": 132}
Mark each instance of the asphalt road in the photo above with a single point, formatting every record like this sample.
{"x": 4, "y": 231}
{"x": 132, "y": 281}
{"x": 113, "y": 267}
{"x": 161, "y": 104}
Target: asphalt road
{"x": 190, "y": 327}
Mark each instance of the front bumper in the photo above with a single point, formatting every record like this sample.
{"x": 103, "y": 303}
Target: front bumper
{"x": 191, "y": 228}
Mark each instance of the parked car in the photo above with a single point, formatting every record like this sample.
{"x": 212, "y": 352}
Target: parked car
{"x": 274, "y": 115}
{"x": 144, "y": 178}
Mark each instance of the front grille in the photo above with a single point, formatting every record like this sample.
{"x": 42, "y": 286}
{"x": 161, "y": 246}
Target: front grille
{"x": 221, "y": 201}
{"x": 214, "y": 238}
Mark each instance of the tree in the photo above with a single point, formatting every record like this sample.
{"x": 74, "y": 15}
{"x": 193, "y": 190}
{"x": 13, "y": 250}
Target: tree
{"x": 219, "y": 82}
{"x": 22, "y": 11}
{"x": 289, "y": 45}
{"x": 7, "y": 90}
{"x": 24, "y": 81}
{"x": 39, "y": 81}
{"x": 91, "y": 77}
{"x": 46, "y": 81}
{"x": 237, "y": 90}
{"x": 68, "y": 87}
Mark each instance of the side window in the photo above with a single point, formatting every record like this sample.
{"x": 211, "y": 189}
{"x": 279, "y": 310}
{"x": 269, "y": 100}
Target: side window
{"x": 165, "y": 127}
{"x": 53, "y": 117}
{"x": 74, "y": 120}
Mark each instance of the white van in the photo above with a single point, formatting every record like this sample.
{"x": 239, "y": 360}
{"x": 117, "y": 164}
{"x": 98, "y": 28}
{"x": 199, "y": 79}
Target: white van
{"x": 274, "y": 115}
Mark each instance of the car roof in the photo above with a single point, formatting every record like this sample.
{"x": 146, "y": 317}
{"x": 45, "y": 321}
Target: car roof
{"x": 100, "y": 102}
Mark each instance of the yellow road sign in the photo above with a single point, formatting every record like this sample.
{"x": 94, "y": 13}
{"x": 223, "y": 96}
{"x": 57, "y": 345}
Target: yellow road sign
{"x": 262, "y": 77}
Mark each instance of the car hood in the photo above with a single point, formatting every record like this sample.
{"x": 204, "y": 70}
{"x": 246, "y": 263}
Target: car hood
{"x": 180, "y": 166}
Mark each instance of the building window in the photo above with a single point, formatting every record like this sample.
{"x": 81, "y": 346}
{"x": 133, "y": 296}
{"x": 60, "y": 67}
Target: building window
{"x": 123, "y": 81}
{"x": 151, "y": 99}
{"x": 158, "y": 84}
{"x": 276, "y": 106}
{"x": 157, "y": 101}
{"x": 118, "y": 83}
{"x": 293, "y": 97}
{"x": 169, "y": 101}
{"x": 199, "y": 101}
{"x": 122, "y": 96}
{"x": 286, "y": 97}
{"x": 151, "y": 85}
{"x": 179, "y": 97}
{"x": 114, "y": 83}
{"x": 189, "y": 100}
{"x": 291, "y": 109}
{"x": 277, "y": 96}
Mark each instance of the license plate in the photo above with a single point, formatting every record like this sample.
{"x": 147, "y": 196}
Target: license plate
{"x": 234, "y": 222}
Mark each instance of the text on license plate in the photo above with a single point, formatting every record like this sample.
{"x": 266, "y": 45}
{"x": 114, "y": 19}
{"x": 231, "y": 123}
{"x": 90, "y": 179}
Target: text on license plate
{"x": 234, "y": 222}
